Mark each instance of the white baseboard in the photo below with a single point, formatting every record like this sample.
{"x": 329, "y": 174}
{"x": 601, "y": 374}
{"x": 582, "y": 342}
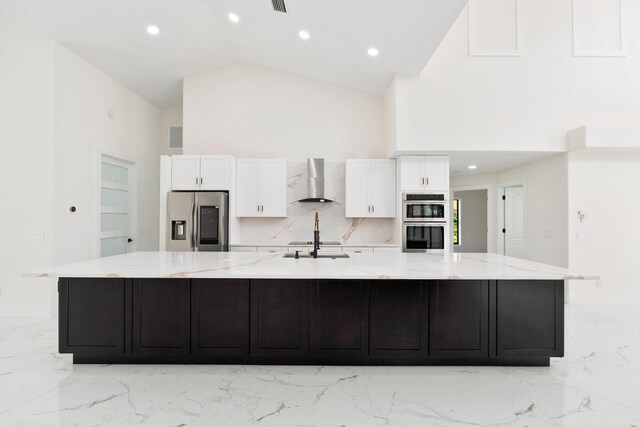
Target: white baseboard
{"x": 26, "y": 311}
{"x": 603, "y": 299}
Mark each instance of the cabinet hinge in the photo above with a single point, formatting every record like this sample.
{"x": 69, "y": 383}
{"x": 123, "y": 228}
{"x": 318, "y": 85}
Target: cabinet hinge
{"x": 504, "y": 197}
{"x": 504, "y": 230}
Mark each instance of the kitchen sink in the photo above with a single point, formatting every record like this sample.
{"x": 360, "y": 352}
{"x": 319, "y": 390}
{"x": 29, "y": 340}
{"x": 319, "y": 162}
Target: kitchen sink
{"x": 305, "y": 255}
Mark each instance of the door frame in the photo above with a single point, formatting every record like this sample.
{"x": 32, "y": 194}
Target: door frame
{"x": 132, "y": 181}
{"x": 491, "y": 244}
{"x": 500, "y": 236}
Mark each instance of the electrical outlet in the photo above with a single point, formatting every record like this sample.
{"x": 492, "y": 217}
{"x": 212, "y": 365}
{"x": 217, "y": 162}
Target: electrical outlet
{"x": 582, "y": 235}
{"x": 38, "y": 237}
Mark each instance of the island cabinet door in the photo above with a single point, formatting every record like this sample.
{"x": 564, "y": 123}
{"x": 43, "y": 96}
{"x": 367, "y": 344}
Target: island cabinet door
{"x": 339, "y": 318}
{"x": 530, "y": 318}
{"x": 92, "y": 316}
{"x": 280, "y": 318}
{"x": 161, "y": 317}
{"x": 399, "y": 319}
{"x": 220, "y": 317}
{"x": 459, "y": 318}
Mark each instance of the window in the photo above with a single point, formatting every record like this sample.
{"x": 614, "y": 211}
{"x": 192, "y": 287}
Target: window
{"x": 457, "y": 205}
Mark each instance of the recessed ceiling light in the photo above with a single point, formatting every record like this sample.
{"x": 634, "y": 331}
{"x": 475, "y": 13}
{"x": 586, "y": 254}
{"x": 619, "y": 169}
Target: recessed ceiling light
{"x": 472, "y": 166}
{"x": 373, "y": 51}
{"x": 233, "y": 17}
{"x": 153, "y": 30}
{"x": 304, "y": 35}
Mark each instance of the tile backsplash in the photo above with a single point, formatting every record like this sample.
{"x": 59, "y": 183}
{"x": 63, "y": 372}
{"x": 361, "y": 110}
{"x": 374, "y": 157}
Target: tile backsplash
{"x": 298, "y": 225}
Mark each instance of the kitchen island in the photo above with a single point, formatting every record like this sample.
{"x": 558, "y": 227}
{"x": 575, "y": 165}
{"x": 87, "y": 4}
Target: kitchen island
{"x": 261, "y": 308}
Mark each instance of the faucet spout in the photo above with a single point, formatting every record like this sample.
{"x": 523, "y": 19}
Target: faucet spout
{"x": 316, "y": 236}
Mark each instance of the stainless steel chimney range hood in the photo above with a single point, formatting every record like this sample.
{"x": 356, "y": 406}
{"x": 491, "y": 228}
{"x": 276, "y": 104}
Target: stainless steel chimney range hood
{"x": 315, "y": 183}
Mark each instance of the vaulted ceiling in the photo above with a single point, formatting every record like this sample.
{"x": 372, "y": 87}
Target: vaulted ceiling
{"x": 196, "y": 35}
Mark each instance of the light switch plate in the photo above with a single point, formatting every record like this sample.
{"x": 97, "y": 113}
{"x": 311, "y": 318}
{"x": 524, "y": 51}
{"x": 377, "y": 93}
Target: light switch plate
{"x": 38, "y": 237}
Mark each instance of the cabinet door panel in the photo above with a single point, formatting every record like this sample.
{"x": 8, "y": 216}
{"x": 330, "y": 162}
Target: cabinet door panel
{"x": 273, "y": 185}
{"x": 339, "y": 320}
{"x": 185, "y": 172}
{"x": 399, "y": 319}
{"x": 214, "y": 171}
{"x": 357, "y": 185}
{"x": 247, "y": 188}
{"x": 530, "y": 318}
{"x": 436, "y": 170}
{"x": 161, "y": 317}
{"x": 383, "y": 188}
{"x": 459, "y": 318}
{"x": 92, "y": 315}
{"x": 220, "y": 317}
{"x": 411, "y": 173}
{"x": 279, "y": 317}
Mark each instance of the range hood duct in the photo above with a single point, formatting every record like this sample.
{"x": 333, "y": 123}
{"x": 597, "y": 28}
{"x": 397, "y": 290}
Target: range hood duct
{"x": 315, "y": 182}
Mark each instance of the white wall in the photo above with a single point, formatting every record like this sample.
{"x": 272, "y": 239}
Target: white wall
{"x": 249, "y": 111}
{"x": 26, "y": 173}
{"x": 171, "y": 116}
{"x": 546, "y": 205}
{"x": 603, "y": 183}
{"x": 54, "y": 127}
{"x": 525, "y": 102}
{"x": 83, "y": 131}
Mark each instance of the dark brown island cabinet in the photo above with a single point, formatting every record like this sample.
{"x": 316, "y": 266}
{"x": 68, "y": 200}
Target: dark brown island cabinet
{"x": 334, "y": 322}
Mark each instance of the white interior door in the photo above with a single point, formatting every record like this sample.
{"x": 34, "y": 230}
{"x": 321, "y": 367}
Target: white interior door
{"x": 514, "y": 222}
{"x": 116, "y": 206}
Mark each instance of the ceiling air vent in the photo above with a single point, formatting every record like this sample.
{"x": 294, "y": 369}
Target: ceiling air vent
{"x": 175, "y": 137}
{"x": 279, "y": 6}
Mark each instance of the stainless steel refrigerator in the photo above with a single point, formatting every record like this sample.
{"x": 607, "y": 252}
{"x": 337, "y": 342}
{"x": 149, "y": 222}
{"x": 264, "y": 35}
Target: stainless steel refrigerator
{"x": 198, "y": 221}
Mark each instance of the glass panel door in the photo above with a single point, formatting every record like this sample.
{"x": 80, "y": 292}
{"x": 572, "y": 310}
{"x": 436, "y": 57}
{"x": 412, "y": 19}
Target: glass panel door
{"x": 115, "y": 206}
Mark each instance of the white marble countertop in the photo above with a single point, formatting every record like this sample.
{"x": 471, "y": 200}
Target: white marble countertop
{"x": 344, "y": 245}
{"x": 390, "y": 265}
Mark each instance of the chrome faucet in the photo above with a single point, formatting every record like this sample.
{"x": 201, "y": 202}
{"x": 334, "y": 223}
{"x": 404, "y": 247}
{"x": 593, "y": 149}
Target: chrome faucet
{"x": 316, "y": 236}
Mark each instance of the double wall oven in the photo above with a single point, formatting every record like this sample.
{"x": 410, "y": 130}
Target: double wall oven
{"x": 424, "y": 222}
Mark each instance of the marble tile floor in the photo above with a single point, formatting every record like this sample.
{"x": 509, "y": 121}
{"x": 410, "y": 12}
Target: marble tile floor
{"x": 596, "y": 384}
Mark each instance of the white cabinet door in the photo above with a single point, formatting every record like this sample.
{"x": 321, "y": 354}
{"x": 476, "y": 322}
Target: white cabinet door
{"x": 357, "y": 194}
{"x": 411, "y": 173}
{"x": 273, "y": 187}
{"x": 185, "y": 173}
{"x": 436, "y": 173}
{"x": 383, "y": 188}
{"x": 242, "y": 248}
{"x": 215, "y": 172}
{"x": 357, "y": 249}
{"x": 273, "y": 249}
{"x": 247, "y": 188}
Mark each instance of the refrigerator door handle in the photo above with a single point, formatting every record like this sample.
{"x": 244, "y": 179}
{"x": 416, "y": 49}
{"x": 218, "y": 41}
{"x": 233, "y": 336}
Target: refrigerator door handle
{"x": 193, "y": 226}
{"x": 196, "y": 226}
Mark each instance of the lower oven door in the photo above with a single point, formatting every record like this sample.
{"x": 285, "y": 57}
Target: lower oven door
{"x": 424, "y": 237}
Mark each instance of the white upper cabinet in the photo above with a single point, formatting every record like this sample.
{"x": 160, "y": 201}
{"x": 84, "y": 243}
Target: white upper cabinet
{"x": 370, "y": 188}
{"x": 261, "y": 188}
{"x": 201, "y": 172}
{"x": 357, "y": 197}
{"x": 424, "y": 173}
{"x": 185, "y": 173}
{"x": 215, "y": 172}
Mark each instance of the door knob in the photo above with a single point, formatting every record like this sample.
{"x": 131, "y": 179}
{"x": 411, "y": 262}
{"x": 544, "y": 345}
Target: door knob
{"x": 129, "y": 240}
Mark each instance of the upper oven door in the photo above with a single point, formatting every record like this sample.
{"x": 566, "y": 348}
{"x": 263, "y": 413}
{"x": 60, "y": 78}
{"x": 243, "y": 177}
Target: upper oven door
{"x": 424, "y": 211}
